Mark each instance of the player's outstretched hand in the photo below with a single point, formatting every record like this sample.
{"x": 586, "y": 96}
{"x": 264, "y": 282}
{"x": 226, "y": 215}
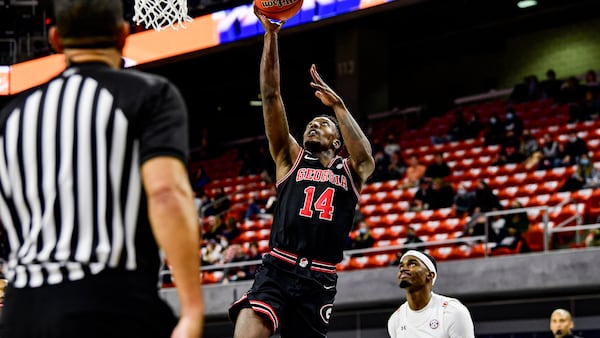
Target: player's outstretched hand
{"x": 323, "y": 92}
{"x": 268, "y": 24}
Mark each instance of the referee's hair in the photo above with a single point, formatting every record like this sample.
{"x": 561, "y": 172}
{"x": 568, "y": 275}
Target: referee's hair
{"x": 88, "y": 23}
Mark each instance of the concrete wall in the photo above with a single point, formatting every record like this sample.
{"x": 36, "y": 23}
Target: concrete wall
{"x": 558, "y": 273}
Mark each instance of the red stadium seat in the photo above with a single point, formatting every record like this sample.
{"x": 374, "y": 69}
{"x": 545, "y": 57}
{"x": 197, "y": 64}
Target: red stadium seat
{"x": 212, "y": 276}
{"x": 441, "y": 253}
{"x": 381, "y": 260}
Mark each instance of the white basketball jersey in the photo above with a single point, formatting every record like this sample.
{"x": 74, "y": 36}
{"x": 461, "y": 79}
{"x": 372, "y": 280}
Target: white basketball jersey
{"x": 443, "y": 317}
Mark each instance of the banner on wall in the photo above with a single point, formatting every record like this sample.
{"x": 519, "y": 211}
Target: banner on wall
{"x": 4, "y": 79}
{"x": 203, "y": 32}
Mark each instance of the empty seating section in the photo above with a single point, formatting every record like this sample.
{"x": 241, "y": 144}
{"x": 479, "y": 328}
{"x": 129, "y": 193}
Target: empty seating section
{"x": 385, "y": 204}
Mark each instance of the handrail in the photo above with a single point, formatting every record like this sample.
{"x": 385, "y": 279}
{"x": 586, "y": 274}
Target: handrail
{"x": 492, "y": 94}
{"x": 468, "y": 239}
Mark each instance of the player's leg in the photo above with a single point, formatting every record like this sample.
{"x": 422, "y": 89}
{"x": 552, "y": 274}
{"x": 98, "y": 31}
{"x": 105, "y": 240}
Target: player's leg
{"x": 251, "y": 325}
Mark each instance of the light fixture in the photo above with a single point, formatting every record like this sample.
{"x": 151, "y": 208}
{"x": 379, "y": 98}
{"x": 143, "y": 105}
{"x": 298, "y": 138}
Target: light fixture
{"x": 255, "y": 103}
{"x": 526, "y": 3}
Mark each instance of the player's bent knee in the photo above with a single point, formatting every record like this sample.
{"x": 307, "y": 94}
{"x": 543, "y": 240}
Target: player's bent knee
{"x": 251, "y": 325}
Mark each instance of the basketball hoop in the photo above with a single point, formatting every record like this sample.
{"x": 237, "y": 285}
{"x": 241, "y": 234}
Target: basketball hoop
{"x": 159, "y": 14}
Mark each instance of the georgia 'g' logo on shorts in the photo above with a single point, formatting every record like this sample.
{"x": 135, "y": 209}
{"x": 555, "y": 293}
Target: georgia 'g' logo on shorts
{"x": 326, "y": 312}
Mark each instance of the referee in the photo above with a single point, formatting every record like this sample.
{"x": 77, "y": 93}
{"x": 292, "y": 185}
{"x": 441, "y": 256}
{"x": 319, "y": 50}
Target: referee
{"x": 93, "y": 186}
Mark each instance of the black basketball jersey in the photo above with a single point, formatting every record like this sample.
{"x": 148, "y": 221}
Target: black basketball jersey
{"x": 315, "y": 208}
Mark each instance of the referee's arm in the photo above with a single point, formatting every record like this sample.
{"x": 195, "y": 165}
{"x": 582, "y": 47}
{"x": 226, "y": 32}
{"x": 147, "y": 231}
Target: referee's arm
{"x": 175, "y": 226}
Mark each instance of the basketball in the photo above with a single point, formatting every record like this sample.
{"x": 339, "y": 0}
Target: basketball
{"x": 278, "y": 9}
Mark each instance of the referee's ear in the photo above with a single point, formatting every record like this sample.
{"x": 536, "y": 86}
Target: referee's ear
{"x": 123, "y": 34}
{"x": 54, "y": 40}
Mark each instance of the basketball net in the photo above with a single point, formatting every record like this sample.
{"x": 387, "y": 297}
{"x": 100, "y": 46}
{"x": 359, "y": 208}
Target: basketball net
{"x": 160, "y": 14}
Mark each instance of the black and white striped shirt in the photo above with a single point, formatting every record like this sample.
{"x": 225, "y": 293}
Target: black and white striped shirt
{"x": 71, "y": 197}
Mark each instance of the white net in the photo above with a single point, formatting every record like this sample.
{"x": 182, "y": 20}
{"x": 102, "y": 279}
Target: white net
{"x": 160, "y": 14}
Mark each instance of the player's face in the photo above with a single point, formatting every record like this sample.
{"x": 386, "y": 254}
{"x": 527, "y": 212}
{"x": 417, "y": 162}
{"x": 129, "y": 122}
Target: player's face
{"x": 560, "y": 324}
{"x": 412, "y": 272}
{"x": 320, "y": 134}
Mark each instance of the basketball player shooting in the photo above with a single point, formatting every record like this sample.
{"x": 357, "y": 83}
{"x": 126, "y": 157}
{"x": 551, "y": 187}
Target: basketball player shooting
{"x": 317, "y": 192}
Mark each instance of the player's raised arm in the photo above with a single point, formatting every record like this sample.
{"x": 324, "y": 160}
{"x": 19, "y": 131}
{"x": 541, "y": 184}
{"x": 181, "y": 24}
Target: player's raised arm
{"x": 357, "y": 144}
{"x": 282, "y": 145}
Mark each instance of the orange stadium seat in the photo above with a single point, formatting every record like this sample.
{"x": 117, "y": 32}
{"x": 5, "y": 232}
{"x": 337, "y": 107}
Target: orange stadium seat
{"x": 397, "y": 231}
{"x": 212, "y": 276}
{"x": 380, "y": 260}
{"x": 359, "y": 262}
{"x": 440, "y": 253}
{"x": 379, "y": 233}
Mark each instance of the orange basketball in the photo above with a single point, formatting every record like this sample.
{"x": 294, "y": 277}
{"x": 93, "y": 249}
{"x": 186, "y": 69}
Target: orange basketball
{"x": 278, "y": 9}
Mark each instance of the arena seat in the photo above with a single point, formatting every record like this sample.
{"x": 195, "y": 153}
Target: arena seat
{"x": 440, "y": 253}
{"x": 212, "y": 276}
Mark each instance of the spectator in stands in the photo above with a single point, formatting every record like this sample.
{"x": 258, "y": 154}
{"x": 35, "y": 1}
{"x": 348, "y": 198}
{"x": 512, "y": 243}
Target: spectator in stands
{"x": 573, "y": 149}
{"x": 200, "y": 179}
{"x": 528, "y": 90}
{"x": 441, "y": 194}
{"x": 550, "y": 87}
{"x": 497, "y": 230}
{"x": 485, "y": 199}
{"x": 231, "y": 229}
{"x": 510, "y": 150}
{"x": 476, "y": 225}
{"x": 592, "y": 238}
{"x": 494, "y": 131}
{"x": 516, "y": 223}
{"x": 457, "y": 130}
{"x": 363, "y": 238}
{"x": 396, "y": 167}
{"x": 412, "y": 242}
{"x": 211, "y": 252}
{"x": 202, "y": 202}
{"x": 529, "y": 143}
{"x": 414, "y": 172}
{"x": 571, "y": 91}
{"x": 513, "y": 123}
{"x": 253, "y": 255}
{"x": 585, "y": 176}
{"x": 422, "y": 197}
{"x": 589, "y": 107}
{"x": 530, "y": 147}
{"x": 438, "y": 168}
{"x": 234, "y": 253}
{"x": 220, "y": 202}
{"x": 391, "y": 145}
{"x": 561, "y": 324}
{"x": 214, "y": 227}
{"x": 463, "y": 201}
{"x": 551, "y": 153}
{"x": 515, "y": 242}
{"x": 261, "y": 208}
{"x": 382, "y": 164}
{"x": 474, "y": 126}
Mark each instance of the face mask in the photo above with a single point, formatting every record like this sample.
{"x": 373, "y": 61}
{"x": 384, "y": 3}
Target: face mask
{"x": 584, "y": 161}
{"x": 362, "y": 231}
{"x": 462, "y": 191}
{"x": 509, "y": 116}
{"x": 492, "y": 120}
{"x": 572, "y": 139}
